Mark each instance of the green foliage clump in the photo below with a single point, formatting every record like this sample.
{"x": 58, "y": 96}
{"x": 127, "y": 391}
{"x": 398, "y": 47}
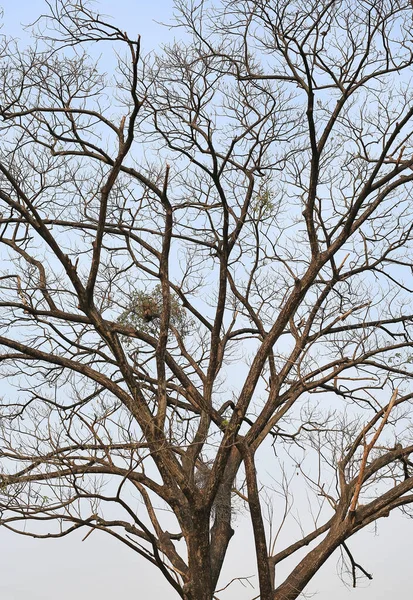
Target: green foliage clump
{"x": 145, "y": 308}
{"x": 263, "y": 204}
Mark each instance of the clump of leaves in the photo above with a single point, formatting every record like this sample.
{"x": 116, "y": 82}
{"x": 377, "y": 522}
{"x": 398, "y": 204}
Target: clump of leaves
{"x": 263, "y": 204}
{"x": 145, "y": 308}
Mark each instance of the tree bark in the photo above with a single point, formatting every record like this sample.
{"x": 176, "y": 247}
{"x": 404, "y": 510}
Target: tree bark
{"x": 199, "y": 582}
{"x": 295, "y": 583}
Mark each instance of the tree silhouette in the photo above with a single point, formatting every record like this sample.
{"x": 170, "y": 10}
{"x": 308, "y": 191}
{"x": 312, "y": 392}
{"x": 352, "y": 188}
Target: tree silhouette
{"x": 206, "y": 258}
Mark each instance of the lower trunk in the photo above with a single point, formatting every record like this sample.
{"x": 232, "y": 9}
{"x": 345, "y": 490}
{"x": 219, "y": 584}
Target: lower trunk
{"x": 195, "y": 590}
{"x": 221, "y": 531}
{"x": 198, "y": 584}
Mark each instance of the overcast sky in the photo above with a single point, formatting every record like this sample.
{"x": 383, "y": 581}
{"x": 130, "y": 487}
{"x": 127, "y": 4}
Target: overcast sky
{"x": 101, "y": 567}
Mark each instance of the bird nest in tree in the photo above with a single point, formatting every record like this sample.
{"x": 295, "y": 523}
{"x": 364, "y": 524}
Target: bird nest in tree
{"x": 145, "y": 309}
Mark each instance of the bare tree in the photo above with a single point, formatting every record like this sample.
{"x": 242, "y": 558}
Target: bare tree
{"x": 207, "y": 256}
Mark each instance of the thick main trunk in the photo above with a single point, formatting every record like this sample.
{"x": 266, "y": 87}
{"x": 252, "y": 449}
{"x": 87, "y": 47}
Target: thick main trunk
{"x": 195, "y": 590}
{"x": 198, "y": 585}
{"x": 221, "y": 532}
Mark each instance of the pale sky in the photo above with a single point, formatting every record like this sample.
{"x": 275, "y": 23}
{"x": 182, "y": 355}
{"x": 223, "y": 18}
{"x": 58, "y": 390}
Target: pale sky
{"x": 101, "y": 567}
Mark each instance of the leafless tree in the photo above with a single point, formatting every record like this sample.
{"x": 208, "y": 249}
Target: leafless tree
{"x": 207, "y": 259}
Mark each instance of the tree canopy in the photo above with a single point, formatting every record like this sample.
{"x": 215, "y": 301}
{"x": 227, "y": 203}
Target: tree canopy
{"x": 206, "y": 283}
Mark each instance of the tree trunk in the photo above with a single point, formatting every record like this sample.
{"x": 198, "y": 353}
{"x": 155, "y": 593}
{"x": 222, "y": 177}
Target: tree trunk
{"x": 199, "y": 580}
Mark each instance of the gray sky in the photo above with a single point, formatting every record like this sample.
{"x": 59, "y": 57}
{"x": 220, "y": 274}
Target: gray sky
{"x": 101, "y": 567}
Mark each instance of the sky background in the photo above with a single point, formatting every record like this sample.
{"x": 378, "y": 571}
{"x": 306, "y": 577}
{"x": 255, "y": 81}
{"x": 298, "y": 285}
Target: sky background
{"x": 101, "y": 567}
